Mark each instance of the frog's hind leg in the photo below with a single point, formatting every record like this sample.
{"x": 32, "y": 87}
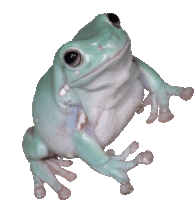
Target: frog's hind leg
{"x": 45, "y": 166}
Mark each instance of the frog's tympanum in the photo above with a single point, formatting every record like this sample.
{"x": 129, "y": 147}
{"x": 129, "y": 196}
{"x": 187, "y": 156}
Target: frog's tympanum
{"x": 84, "y": 101}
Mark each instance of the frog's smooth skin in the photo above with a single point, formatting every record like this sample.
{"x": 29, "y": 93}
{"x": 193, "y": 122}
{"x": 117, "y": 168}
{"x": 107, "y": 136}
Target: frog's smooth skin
{"x": 85, "y": 100}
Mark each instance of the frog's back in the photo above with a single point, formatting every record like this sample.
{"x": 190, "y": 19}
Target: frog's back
{"x": 43, "y": 104}
{"x": 51, "y": 118}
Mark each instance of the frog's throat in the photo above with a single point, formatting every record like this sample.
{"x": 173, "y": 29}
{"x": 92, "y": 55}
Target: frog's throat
{"x": 108, "y": 61}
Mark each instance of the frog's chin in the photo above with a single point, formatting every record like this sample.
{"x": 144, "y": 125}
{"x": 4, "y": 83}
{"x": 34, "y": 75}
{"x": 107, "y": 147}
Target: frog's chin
{"x": 107, "y": 62}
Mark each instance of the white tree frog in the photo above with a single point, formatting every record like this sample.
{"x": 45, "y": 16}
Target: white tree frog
{"x": 85, "y": 100}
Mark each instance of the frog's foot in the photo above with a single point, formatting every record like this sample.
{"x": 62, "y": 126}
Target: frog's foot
{"x": 160, "y": 98}
{"x": 117, "y": 167}
{"x": 44, "y": 171}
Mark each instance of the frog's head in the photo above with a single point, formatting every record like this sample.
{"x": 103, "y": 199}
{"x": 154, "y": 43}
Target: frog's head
{"x": 96, "y": 47}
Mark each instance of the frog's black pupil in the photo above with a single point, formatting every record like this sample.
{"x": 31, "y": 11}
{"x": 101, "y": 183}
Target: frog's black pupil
{"x": 113, "y": 18}
{"x": 71, "y": 57}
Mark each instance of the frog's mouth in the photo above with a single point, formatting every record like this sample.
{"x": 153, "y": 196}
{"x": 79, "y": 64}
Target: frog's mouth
{"x": 108, "y": 61}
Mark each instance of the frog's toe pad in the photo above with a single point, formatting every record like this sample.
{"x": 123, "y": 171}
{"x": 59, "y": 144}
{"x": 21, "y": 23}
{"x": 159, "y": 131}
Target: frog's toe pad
{"x": 126, "y": 188}
{"x": 145, "y": 157}
{"x": 110, "y": 152}
{"x": 64, "y": 193}
{"x": 187, "y": 93}
{"x": 39, "y": 192}
{"x": 165, "y": 116}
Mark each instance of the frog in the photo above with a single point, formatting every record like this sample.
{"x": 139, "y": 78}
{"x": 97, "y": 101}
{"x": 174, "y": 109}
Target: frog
{"x": 85, "y": 100}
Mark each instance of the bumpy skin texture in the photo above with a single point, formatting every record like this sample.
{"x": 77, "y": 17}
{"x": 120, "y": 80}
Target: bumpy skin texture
{"x": 81, "y": 106}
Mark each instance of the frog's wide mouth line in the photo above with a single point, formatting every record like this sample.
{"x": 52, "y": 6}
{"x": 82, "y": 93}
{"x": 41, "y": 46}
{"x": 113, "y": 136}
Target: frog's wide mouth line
{"x": 108, "y": 61}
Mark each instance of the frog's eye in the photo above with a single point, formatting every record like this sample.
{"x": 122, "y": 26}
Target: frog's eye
{"x": 72, "y": 58}
{"x": 114, "y": 19}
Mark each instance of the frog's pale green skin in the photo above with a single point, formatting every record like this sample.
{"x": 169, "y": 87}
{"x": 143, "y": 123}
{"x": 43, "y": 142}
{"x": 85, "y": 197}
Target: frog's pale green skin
{"x": 81, "y": 108}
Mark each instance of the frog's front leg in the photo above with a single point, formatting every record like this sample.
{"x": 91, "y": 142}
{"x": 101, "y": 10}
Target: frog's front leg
{"x": 114, "y": 166}
{"x": 44, "y": 166}
{"x": 159, "y": 93}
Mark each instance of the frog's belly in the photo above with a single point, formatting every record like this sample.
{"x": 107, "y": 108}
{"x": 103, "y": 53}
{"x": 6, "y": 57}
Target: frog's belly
{"x": 111, "y": 122}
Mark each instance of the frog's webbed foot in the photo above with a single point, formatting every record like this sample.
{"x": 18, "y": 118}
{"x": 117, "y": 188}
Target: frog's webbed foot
{"x": 44, "y": 171}
{"x": 160, "y": 98}
{"x": 117, "y": 167}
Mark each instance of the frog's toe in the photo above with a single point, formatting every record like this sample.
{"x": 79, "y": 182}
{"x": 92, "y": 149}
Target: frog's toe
{"x": 39, "y": 192}
{"x": 165, "y": 116}
{"x": 129, "y": 150}
{"x": 152, "y": 118}
{"x": 55, "y": 167}
{"x": 145, "y": 158}
{"x": 140, "y": 108}
{"x": 187, "y": 93}
{"x": 110, "y": 152}
{"x": 64, "y": 193}
{"x": 44, "y": 171}
{"x": 147, "y": 100}
{"x": 126, "y": 188}
{"x": 154, "y": 108}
